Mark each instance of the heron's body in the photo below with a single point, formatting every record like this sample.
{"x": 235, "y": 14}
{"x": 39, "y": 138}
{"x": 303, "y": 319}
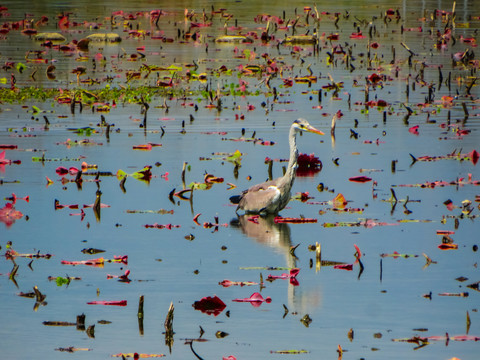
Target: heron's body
{"x": 272, "y": 196}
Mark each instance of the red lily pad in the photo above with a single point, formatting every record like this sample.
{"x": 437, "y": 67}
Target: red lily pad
{"x": 360, "y": 179}
{"x": 414, "y": 130}
{"x": 210, "y": 305}
{"x": 9, "y": 215}
{"x": 256, "y": 299}
{"x": 474, "y": 156}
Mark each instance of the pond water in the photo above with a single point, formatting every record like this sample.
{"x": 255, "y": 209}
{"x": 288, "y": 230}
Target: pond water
{"x": 382, "y": 300}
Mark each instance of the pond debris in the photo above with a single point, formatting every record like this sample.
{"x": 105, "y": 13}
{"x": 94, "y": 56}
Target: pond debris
{"x": 209, "y": 180}
{"x": 228, "y": 283}
{"x": 360, "y": 179}
{"x": 215, "y": 225}
{"x": 72, "y": 349}
{"x": 447, "y": 243}
{"x": 230, "y": 357}
{"x": 8, "y": 214}
{"x": 161, "y": 226}
{"x": 123, "y": 259}
{"x": 138, "y": 355}
{"x": 14, "y": 198}
{"x": 291, "y": 276}
{"x": 108, "y": 302}
{"x": 396, "y": 255}
{"x": 425, "y": 340}
{"x": 289, "y": 352}
{"x": 4, "y": 161}
{"x": 474, "y": 286}
{"x": 92, "y": 251}
{"x": 270, "y": 268}
{"x": 256, "y": 299}
{"x": 300, "y": 220}
{"x": 306, "y": 320}
{"x": 140, "y": 314}
{"x": 39, "y": 297}
{"x": 121, "y": 278}
{"x": 350, "y": 334}
{"x": 181, "y": 194}
{"x": 441, "y": 183}
{"x": 11, "y": 254}
{"x": 80, "y": 323}
{"x": 168, "y": 325}
{"x": 428, "y": 261}
{"x": 210, "y": 305}
{"x": 145, "y": 174}
{"x": 472, "y": 156}
{"x": 221, "y": 334}
{"x": 146, "y": 147}
{"x": 195, "y": 219}
{"x": 468, "y": 323}
{"x": 461, "y": 294}
{"x": 60, "y": 280}
{"x": 367, "y": 223}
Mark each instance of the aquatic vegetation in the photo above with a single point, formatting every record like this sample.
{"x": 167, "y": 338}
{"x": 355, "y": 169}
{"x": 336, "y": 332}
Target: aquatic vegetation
{"x": 203, "y": 96}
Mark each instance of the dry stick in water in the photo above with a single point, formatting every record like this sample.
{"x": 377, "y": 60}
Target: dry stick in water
{"x": 169, "y": 327}
{"x": 140, "y": 315}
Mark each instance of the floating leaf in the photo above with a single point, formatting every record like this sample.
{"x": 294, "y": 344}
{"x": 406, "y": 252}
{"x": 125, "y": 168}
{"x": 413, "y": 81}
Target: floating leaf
{"x": 360, "y": 179}
{"x": 256, "y": 299}
{"x": 291, "y": 352}
{"x": 210, "y": 305}
{"x": 109, "y": 302}
{"x": 228, "y": 283}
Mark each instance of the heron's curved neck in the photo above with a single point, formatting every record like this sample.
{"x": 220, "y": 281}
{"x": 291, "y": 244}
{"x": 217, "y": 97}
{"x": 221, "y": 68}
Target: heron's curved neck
{"x": 292, "y": 162}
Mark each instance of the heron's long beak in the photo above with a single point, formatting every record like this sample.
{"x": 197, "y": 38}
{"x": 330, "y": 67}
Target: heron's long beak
{"x": 311, "y": 129}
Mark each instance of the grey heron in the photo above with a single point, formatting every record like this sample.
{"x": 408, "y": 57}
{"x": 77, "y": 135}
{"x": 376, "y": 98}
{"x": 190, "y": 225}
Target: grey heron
{"x": 272, "y": 196}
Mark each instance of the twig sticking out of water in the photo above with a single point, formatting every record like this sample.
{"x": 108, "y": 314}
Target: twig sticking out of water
{"x": 169, "y": 327}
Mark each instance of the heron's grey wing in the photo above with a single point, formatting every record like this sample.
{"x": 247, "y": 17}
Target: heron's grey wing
{"x": 262, "y": 186}
{"x": 259, "y": 198}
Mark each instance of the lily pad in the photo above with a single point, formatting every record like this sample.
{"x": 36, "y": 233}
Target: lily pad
{"x": 105, "y": 37}
{"x": 233, "y": 39}
{"x": 300, "y": 39}
{"x": 50, "y": 36}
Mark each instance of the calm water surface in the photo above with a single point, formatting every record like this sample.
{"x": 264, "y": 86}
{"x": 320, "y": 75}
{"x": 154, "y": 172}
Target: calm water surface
{"x": 384, "y": 302}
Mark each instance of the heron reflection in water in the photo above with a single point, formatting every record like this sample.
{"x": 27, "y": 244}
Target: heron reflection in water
{"x": 266, "y": 231}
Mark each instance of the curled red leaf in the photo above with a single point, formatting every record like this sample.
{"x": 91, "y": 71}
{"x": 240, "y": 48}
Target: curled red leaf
{"x": 360, "y": 179}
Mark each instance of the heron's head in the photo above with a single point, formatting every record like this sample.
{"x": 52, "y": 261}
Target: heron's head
{"x": 303, "y": 125}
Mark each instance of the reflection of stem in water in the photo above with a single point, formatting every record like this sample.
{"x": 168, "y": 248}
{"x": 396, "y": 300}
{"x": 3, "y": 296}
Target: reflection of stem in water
{"x": 193, "y": 351}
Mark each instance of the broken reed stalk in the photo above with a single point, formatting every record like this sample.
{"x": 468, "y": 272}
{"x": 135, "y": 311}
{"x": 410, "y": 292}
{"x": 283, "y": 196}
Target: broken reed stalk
{"x": 270, "y": 169}
{"x": 183, "y": 173}
{"x": 140, "y": 307}
{"x": 318, "y": 256}
{"x": 169, "y": 327}
{"x": 81, "y": 322}
{"x": 169, "y": 319}
{"x": 468, "y": 322}
{"x": 97, "y": 205}
{"x": 465, "y": 110}
{"x": 334, "y": 123}
{"x": 140, "y": 316}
